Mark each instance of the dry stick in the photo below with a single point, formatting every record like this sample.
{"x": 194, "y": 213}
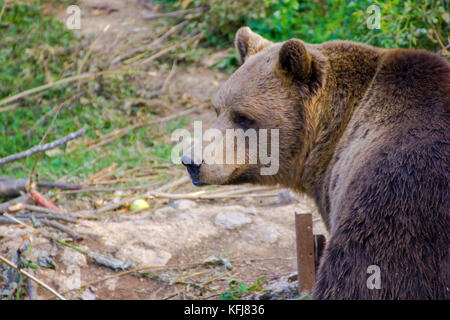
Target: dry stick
{"x": 174, "y": 14}
{"x": 26, "y": 274}
{"x": 124, "y": 131}
{"x": 109, "y": 189}
{"x": 9, "y": 108}
{"x": 202, "y": 196}
{"x": 166, "y": 82}
{"x": 102, "y": 172}
{"x": 62, "y": 228}
{"x": 12, "y": 187}
{"x": 3, "y": 9}
{"x": 152, "y": 45}
{"x": 46, "y": 210}
{"x": 118, "y": 181}
{"x": 173, "y": 184}
{"x": 49, "y": 85}
{"x": 48, "y": 223}
{"x": 170, "y": 48}
{"x": 41, "y": 148}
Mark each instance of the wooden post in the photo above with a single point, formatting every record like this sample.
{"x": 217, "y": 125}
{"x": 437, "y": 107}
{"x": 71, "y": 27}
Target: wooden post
{"x": 305, "y": 253}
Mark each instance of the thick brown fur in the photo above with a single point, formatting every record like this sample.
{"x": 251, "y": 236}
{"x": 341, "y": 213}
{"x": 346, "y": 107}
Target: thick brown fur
{"x": 365, "y": 132}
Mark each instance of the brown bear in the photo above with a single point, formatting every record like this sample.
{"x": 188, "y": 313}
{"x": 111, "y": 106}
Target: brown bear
{"x": 365, "y": 132}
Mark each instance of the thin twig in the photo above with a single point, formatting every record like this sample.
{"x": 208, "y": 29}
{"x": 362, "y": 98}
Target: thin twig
{"x": 26, "y": 274}
{"x": 126, "y": 130}
{"x": 152, "y": 45}
{"x": 166, "y": 82}
{"x": 48, "y": 86}
{"x": 174, "y": 14}
{"x": 170, "y": 48}
{"x": 9, "y": 108}
{"x": 62, "y": 228}
{"x": 41, "y": 148}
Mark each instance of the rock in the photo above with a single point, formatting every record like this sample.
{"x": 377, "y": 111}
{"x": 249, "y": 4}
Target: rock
{"x": 143, "y": 256}
{"x": 182, "y": 204}
{"x": 215, "y": 260}
{"x": 45, "y": 261}
{"x": 285, "y": 288}
{"x": 231, "y": 219}
{"x": 70, "y": 257}
{"x": 88, "y": 295}
{"x": 284, "y": 197}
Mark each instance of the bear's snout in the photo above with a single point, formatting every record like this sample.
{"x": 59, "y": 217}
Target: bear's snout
{"x": 193, "y": 169}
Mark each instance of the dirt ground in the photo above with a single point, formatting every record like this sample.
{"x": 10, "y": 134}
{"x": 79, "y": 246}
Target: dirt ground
{"x": 203, "y": 244}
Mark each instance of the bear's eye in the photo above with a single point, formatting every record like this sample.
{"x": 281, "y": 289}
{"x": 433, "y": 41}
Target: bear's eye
{"x": 243, "y": 121}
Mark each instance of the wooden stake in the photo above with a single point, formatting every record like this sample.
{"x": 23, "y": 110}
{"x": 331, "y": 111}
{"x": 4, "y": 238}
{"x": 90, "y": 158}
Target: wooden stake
{"x": 305, "y": 253}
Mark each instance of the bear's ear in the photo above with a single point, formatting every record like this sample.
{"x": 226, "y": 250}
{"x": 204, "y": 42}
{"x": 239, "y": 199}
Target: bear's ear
{"x": 295, "y": 60}
{"x": 248, "y": 43}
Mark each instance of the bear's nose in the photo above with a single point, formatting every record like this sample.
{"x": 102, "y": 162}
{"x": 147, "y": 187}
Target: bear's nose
{"x": 193, "y": 168}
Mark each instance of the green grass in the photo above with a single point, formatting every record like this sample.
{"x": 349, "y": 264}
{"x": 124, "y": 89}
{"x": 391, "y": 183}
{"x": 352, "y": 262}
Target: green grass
{"x": 37, "y": 49}
{"x": 237, "y": 290}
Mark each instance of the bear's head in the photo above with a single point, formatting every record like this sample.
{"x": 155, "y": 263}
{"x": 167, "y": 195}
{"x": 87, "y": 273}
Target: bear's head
{"x": 275, "y": 88}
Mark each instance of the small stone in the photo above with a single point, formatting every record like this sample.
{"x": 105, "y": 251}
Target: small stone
{"x": 231, "y": 219}
{"x": 88, "y": 295}
{"x": 70, "y": 257}
{"x": 284, "y": 197}
{"x": 182, "y": 204}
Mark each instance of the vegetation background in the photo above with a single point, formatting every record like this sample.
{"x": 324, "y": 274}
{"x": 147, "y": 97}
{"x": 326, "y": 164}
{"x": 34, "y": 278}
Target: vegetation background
{"x": 36, "y": 48}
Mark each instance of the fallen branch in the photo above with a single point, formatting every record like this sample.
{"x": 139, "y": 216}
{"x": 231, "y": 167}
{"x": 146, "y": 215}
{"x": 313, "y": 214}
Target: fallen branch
{"x": 62, "y": 228}
{"x": 13, "y": 187}
{"x": 175, "y": 14}
{"x": 26, "y": 274}
{"x": 58, "y": 213}
{"x": 25, "y": 93}
{"x": 40, "y": 199}
{"x": 41, "y": 148}
{"x": 22, "y": 199}
{"x": 7, "y": 221}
